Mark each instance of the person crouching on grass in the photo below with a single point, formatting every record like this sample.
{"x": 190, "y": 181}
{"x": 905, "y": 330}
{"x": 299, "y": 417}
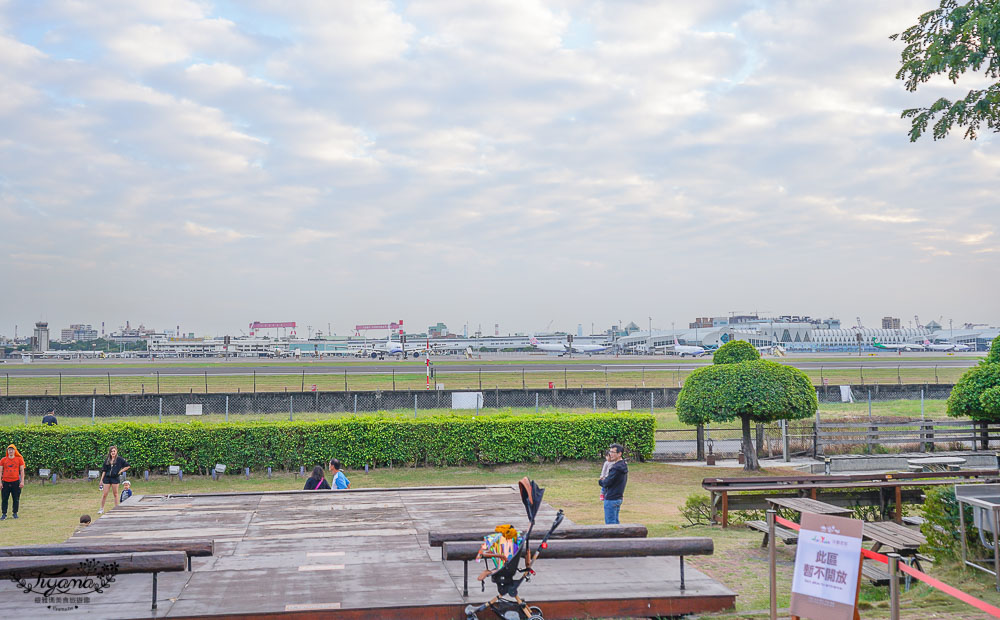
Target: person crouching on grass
{"x": 12, "y": 478}
{"x": 114, "y": 466}
{"x": 126, "y": 490}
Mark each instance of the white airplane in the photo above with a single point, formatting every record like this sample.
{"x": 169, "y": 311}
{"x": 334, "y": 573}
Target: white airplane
{"x": 776, "y": 349}
{"x": 903, "y": 346}
{"x": 945, "y": 347}
{"x": 682, "y": 349}
{"x": 564, "y": 348}
{"x": 391, "y": 347}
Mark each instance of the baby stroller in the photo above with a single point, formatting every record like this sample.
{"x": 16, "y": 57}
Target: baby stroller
{"x": 506, "y": 549}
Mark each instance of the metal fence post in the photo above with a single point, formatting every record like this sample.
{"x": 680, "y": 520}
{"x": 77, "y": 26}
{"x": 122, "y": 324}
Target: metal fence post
{"x": 290, "y": 408}
{"x": 355, "y": 404}
{"x": 414, "y": 405}
{"x": 536, "y": 402}
{"x": 870, "y": 427}
{"x": 25, "y": 412}
{"x": 921, "y": 404}
{"x": 227, "y": 407}
{"x": 785, "y": 442}
{"x": 595, "y": 401}
{"x": 161, "y": 410}
{"x": 93, "y": 411}
{"x": 652, "y": 396}
{"x": 772, "y": 577}
{"x": 893, "y": 586}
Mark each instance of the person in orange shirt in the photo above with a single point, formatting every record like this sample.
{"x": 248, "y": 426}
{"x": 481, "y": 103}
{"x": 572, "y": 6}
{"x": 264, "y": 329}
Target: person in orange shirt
{"x": 12, "y": 479}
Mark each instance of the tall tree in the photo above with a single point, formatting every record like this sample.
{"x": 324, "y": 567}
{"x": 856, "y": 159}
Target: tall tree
{"x": 753, "y": 391}
{"x": 952, "y": 39}
{"x": 977, "y": 393}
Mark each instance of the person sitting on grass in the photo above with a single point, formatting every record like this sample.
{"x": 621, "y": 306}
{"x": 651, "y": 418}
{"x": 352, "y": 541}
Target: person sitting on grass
{"x": 126, "y": 490}
{"x": 316, "y": 482}
{"x": 340, "y": 481}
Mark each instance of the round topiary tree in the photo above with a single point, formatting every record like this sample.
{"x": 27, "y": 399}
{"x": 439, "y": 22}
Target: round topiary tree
{"x": 753, "y": 391}
{"x": 974, "y": 394}
{"x": 735, "y": 351}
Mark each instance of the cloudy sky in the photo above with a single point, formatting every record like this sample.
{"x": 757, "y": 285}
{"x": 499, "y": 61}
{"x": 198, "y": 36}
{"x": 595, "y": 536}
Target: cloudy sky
{"x": 526, "y": 162}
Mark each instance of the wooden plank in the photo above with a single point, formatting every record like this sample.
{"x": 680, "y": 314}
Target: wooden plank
{"x": 906, "y": 482}
{"x": 79, "y": 565}
{"x": 613, "y": 548}
{"x": 715, "y": 484}
{"x": 256, "y": 568}
{"x": 193, "y": 548}
{"x": 802, "y": 504}
{"x": 628, "y": 530}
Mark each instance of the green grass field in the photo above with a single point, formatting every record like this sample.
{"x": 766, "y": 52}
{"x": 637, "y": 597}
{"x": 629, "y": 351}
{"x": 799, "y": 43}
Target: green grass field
{"x": 150, "y": 383}
{"x": 655, "y": 494}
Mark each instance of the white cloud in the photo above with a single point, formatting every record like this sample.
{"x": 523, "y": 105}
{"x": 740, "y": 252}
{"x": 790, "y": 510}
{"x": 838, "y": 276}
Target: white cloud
{"x": 215, "y": 234}
{"x": 537, "y": 149}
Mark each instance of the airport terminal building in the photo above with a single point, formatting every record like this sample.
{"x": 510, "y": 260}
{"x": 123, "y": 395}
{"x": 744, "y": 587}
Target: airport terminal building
{"x": 793, "y": 337}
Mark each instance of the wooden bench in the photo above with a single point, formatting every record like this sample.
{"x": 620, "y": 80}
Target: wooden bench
{"x": 31, "y": 567}
{"x": 573, "y": 548}
{"x": 191, "y": 548}
{"x": 784, "y": 534}
{"x": 625, "y": 530}
{"x": 875, "y": 573}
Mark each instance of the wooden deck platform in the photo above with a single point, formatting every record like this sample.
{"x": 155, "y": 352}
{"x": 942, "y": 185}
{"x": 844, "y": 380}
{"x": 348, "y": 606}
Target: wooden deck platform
{"x": 357, "y": 554}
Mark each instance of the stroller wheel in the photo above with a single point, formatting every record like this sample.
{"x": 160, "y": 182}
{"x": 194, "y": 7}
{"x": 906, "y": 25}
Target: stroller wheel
{"x": 536, "y": 614}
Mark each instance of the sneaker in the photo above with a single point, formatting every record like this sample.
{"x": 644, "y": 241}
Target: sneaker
{"x": 15, "y": 515}
{"x": 3, "y": 517}
{"x": 101, "y": 511}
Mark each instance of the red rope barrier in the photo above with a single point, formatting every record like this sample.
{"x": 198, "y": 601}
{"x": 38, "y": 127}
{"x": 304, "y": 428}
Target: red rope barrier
{"x": 921, "y": 576}
{"x": 962, "y": 596}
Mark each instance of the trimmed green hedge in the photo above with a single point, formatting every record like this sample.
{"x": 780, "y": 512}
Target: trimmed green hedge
{"x": 356, "y": 441}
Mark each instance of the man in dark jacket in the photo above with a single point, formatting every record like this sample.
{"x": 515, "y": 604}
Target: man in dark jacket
{"x": 614, "y": 484}
{"x": 49, "y": 419}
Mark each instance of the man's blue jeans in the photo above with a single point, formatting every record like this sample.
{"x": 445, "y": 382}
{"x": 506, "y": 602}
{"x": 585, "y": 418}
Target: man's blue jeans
{"x": 611, "y": 508}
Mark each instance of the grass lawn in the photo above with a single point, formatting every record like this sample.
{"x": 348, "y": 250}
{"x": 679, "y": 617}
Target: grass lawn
{"x": 655, "y": 495}
{"x": 409, "y": 378}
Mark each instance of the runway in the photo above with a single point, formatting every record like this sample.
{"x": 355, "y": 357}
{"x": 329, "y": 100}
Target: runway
{"x": 529, "y": 364}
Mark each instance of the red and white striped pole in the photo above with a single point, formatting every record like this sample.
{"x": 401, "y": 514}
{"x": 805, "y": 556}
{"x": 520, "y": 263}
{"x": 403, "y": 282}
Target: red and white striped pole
{"x": 428, "y": 351}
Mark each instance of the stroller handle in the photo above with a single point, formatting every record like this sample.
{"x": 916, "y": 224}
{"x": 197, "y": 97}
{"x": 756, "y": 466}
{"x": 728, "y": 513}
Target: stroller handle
{"x": 545, "y": 539}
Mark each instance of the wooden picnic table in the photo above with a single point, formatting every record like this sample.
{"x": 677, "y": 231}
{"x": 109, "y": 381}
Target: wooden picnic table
{"x": 891, "y": 482}
{"x": 903, "y": 540}
{"x": 804, "y": 504}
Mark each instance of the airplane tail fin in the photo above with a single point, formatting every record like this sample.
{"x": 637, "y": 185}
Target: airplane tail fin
{"x": 533, "y": 340}
{"x": 675, "y": 340}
